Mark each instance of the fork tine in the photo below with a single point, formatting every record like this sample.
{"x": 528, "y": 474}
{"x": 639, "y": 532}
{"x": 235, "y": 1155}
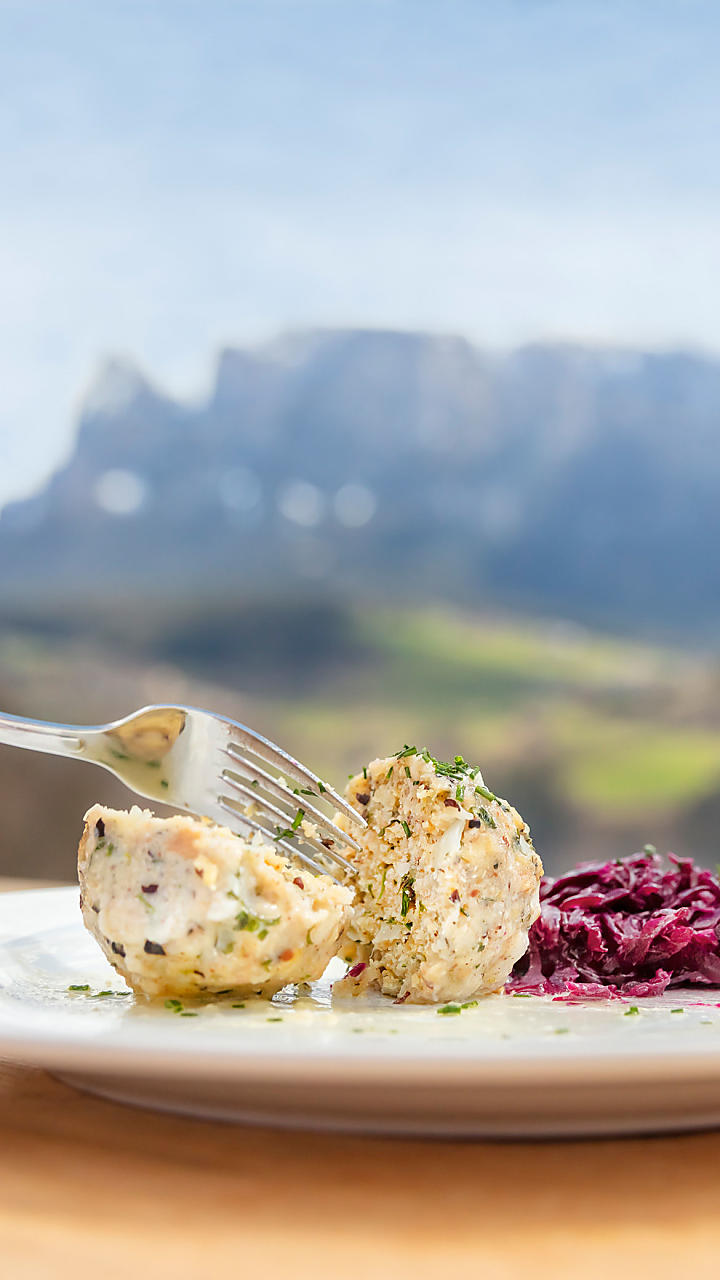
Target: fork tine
{"x": 275, "y": 755}
{"x": 257, "y": 798}
{"x": 292, "y": 851}
{"x": 285, "y": 796}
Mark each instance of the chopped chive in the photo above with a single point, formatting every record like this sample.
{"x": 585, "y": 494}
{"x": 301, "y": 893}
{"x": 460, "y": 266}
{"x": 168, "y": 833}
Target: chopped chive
{"x": 405, "y": 827}
{"x": 77, "y": 986}
{"x": 630, "y": 1013}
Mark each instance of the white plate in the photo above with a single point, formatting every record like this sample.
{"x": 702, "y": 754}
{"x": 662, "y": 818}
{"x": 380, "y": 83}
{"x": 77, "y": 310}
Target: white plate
{"x": 508, "y": 1068}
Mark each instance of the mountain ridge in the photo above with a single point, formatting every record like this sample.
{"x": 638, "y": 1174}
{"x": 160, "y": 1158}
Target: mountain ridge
{"x": 558, "y": 478}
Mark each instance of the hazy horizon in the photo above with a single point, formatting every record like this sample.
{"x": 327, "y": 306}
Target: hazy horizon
{"x": 186, "y": 175}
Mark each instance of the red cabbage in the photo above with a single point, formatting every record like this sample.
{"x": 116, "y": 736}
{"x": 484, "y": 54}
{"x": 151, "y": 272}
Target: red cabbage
{"x": 621, "y": 929}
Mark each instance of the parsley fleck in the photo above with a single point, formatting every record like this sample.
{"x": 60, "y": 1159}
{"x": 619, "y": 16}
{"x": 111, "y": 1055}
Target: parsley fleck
{"x": 630, "y": 1013}
{"x": 407, "y": 893}
{"x": 76, "y": 986}
{"x": 453, "y": 1008}
{"x": 677, "y": 1010}
{"x": 245, "y": 920}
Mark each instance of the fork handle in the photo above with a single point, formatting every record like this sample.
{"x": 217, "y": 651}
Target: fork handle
{"x": 36, "y": 735}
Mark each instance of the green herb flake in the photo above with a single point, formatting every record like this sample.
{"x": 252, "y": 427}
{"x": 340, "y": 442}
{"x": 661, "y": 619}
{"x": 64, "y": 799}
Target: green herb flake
{"x": 631, "y": 1012}
{"x": 389, "y": 773}
{"x": 407, "y": 770}
{"x": 247, "y": 922}
{"x": 186, "y": 1013}
{"x": 487, "y": 819}
{"x": 448, "y": 1009}
{"x": 164, "y": 783}
{"x": 283, "y": 833}
{"x": 405, "y": 827}
{"x": 483, "y": 791}
{"x": 677, "y": 1010}
{"x": 365, "y": 772}
{"x": 273, "y": 1019}
{"x": 175, "y": 1005}
{"x": 239, "y": 1005}
{"x": 521, "y": 995}
{"x": 562, "y": 1031}
{"x": 78, "y": 986}
{"x": 407, "y": 893}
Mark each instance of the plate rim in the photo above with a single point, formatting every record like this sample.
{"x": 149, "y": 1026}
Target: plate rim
{"x": 27, "y": 1038}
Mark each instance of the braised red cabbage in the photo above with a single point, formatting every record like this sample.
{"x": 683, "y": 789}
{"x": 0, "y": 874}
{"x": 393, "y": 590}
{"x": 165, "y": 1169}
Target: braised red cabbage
{"x": 628, "y": 928}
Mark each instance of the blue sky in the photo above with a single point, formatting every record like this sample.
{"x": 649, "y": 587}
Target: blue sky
{"x": 183, "y": 174}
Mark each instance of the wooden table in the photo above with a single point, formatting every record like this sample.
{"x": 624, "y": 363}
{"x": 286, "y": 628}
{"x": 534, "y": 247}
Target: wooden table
{"x": 88, "y": 1188}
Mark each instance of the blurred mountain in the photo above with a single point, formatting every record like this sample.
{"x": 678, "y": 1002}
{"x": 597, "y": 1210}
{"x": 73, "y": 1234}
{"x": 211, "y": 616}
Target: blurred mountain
{"x": 563, "y": 480}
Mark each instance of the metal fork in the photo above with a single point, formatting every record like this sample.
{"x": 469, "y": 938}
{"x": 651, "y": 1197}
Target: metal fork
{"x": 209, "y": 766}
